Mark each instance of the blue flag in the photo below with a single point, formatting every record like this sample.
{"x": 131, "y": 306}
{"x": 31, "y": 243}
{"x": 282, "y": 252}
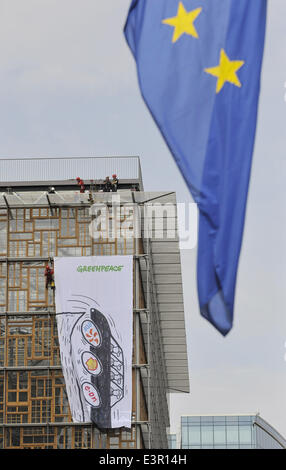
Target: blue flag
{"x": 199, "y": 66}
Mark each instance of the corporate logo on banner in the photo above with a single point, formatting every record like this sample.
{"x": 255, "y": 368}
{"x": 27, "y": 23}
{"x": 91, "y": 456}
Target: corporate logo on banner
{"x": 94, "y": 305}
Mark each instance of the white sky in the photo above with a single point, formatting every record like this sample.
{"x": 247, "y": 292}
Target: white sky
{"x": 68, "y": 87}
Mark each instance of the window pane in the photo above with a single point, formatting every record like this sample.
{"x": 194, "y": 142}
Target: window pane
{"x": 245, "y": 434}
{"x": 194, "y": 419}
{"x": 245, "y": 419}
{"x": 207, "y": 419}
{"x": 232, "y": 434}
{"x": 184, "y": 435}
{"x": 195, "y": 435}
{"x": 219, "y": 435}
{"x": 207, "y": 435}
{"x": 232, "y": 419}
{"x": 219, "y": 419}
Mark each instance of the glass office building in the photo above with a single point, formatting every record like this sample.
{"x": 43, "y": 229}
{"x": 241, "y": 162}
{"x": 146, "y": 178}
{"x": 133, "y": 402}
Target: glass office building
{"x": 229, "y": 432}
{"x": 44, "y": 214}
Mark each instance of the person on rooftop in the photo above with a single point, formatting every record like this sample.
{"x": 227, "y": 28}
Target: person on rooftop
{"x": 107, "y": 185}
{"x": 114, "y": 183}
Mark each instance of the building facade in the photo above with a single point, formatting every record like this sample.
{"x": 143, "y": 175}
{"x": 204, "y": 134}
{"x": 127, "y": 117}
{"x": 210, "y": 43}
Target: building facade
{"x": 172, "y": 441}
{"x": 229, "y": 432}
{"x": 42, "y": 215}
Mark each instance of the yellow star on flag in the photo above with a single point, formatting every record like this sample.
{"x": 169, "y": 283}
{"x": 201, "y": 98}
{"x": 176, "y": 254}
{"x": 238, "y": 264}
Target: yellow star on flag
{"x": 183, "y": 22}
{"x": 226, "y": 71}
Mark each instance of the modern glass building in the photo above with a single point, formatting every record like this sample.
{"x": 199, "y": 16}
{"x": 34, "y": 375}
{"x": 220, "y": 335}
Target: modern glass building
{"x": 229, "y": 432}
{"x": 172, "y": 441}
{"x": 44, "y": 214}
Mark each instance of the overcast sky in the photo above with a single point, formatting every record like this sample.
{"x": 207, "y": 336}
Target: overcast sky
{"x": 68, "y": 87}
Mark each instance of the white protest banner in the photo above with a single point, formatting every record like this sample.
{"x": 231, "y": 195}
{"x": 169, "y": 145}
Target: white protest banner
{"x": 94, "y": 307}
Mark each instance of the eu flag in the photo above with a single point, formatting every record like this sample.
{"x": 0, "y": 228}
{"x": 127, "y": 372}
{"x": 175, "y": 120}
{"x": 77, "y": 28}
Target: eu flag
{"x": 199, "y": 66}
